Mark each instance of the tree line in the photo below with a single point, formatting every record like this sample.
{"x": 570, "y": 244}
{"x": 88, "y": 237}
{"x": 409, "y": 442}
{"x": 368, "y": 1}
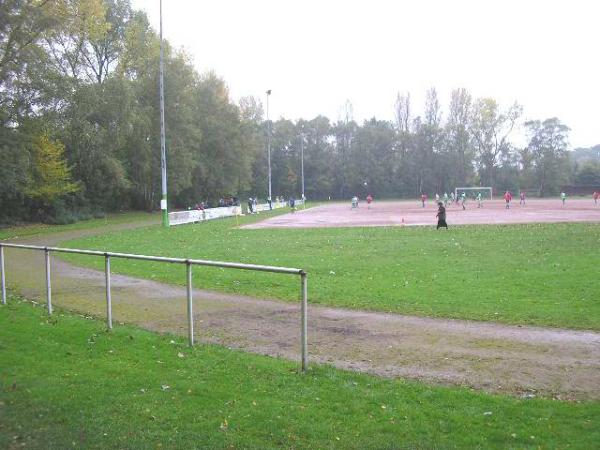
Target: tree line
{"x": 79, "y": 129}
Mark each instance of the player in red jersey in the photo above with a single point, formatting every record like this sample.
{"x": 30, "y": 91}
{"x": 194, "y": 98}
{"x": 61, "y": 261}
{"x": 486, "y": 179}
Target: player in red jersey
{"x": 507, "y": 199}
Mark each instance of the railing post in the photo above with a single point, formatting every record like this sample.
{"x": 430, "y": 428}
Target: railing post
{"x": 48, "y": 283}
{"x": 2, "y": 275}
{"x": 304, "y": 319}
{"x": 108, "y": 296}
{"x": 189, "y": 304}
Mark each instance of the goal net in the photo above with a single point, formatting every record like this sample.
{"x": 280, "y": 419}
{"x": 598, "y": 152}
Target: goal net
{"x": 471, "y": 192}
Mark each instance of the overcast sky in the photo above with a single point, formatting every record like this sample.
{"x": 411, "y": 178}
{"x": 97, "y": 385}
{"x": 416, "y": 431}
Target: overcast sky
{"x": 316, "y": 54}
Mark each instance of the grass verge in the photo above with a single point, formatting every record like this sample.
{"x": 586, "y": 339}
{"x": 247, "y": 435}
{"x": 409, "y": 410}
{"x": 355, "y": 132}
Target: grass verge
{"x": 110, "y": 219}
{"x": 67, "y": 383}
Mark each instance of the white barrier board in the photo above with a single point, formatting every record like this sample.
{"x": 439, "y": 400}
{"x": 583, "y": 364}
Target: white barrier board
{"x": 265, "y": 206}
{"x": 195, "y": 215}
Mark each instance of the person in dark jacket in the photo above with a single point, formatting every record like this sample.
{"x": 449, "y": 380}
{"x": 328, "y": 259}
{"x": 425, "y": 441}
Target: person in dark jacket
{"x": 441, "y": 215}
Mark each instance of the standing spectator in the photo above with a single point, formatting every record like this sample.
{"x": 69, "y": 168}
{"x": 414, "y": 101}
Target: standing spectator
{"x": 441, "y": 216}
{"x": 563, "y": 197}
{"x": 423, "y": 199}
{"x": 522, "y": 199}
{"x": 596, "y": 195}
{"x": 250, "y": 205}
{"x": 479, "y": 201}
{"x": 270, "y": 202}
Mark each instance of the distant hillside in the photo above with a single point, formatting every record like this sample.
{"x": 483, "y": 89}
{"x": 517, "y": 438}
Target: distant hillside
{"x": 582, "y": 155}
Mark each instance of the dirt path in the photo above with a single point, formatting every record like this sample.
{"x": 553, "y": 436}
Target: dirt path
{"x": 493, "y": 357}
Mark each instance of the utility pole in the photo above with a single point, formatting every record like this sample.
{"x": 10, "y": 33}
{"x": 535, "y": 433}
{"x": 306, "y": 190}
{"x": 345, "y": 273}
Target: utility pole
{"x": 302, "y": 159}
{"x": 269, "y": 142}
{"x": 163, "y": 155}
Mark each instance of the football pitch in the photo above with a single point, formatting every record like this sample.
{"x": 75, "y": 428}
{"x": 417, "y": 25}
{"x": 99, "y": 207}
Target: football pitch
{"x": 535, "y": 274}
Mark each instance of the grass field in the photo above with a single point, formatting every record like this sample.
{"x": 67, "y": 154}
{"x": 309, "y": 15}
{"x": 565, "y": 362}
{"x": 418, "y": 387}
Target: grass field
{"x": 110, "y": 219}
{"x": 540, "y": 274}
{"x": 66, "y": 383}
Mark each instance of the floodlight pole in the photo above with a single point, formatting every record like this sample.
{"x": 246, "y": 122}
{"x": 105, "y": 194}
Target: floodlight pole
{"x": 302, "y": 158}
{"x": 163, "y": 155}
{"x": 269, "y": 142}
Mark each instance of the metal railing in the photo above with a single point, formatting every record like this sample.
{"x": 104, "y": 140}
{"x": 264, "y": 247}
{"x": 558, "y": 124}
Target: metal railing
{"x": 188, "y": 263}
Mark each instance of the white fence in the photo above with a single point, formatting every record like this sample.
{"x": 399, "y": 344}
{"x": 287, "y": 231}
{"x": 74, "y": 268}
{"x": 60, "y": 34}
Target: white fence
{"x": 195, "y": 215}
{"x": 281, "y": 204}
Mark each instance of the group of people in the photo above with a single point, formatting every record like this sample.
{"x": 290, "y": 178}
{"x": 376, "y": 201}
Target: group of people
{"x": 253, "y": 203}
{"x": 458, "y": 199}
{"x": 223, "y": 202}
{"x": 228, "y": 201}
{"x": 354, "y": 201}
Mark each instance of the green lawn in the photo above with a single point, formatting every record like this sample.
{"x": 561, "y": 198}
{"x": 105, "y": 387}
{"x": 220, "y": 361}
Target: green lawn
{"x": 541, "y": 274}
{"x": 66, "y": 383}
{"x": 110, "y": 219}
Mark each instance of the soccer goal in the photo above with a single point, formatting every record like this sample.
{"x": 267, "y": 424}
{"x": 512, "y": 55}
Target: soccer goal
{"x": 471, "y": 192}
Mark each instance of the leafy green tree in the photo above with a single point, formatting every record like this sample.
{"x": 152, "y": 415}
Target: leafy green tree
{"x": 588, "y": 174}
{"x": 548, "y": 143}
{"x": 50, "y": 175}
{"x": 490, "y": 130}
{"x": 457, "y": 139}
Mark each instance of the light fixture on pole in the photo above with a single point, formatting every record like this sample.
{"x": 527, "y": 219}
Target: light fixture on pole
{"x": 269, "y": 143}
{"x": 163, "y": 155}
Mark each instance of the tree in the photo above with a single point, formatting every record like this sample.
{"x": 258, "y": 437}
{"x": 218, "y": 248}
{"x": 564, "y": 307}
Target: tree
{"x": 373, "y": 159}
{"x": 548, "y": 143}
{"x": 344, "y": 132}
{"x": 23, "y": 69}
{"x": 490, "y": 130}
{"x": 458, "y": 138}
{"x": 50, "y": 175}
{"x": 87, "y": 45}
{"x": 588, "y": 174}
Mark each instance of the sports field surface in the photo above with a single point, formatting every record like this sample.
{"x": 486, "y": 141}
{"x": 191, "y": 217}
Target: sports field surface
{"x": 389, "y": 213}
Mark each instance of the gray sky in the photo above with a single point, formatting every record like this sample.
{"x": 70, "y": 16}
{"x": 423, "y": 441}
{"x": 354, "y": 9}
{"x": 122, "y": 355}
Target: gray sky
{"x": 315, "y": 55}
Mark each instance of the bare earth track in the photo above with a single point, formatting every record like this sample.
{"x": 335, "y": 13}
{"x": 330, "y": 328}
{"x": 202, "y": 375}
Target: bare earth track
{"x": 390, "y": 213}
{"x": 492, "y": 357}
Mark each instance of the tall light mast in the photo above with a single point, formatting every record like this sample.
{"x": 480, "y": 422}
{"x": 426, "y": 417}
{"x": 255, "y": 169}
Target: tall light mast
{"x": 269, "y": 143}
{"x": 163, "y": 155}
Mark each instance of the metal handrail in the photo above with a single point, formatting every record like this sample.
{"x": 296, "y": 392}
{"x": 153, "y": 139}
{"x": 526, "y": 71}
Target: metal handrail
{"x": 196, "y": 262}
{"x": 188, "y": 262}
